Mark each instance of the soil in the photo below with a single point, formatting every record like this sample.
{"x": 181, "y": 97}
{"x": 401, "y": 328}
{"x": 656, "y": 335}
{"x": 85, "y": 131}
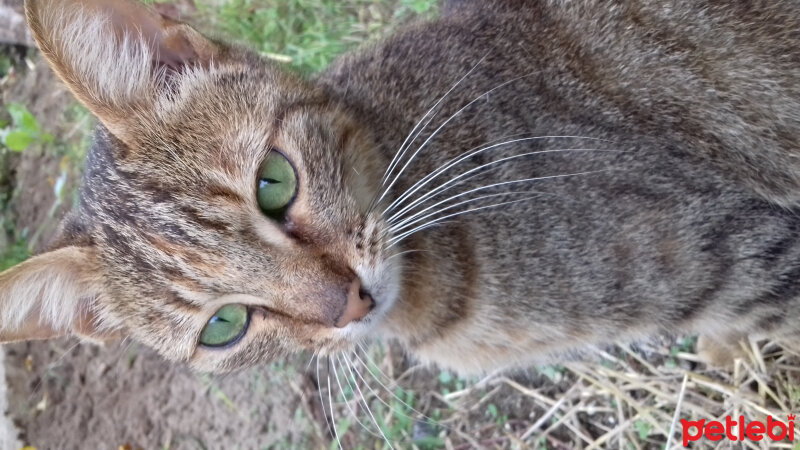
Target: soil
{"x": 70, "y": 395}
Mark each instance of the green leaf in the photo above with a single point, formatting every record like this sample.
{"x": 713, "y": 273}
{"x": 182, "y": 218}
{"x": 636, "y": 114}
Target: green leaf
{"x": 643, "y": 428}
{"x": 29, "y": 122}
{"x": 554, "y": 373}
{"x": 14, "y": 254}
{"x": 18, "y": 140}
{"x": 22, "y": 118}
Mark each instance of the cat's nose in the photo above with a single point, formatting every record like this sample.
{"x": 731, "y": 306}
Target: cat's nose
{"x": 359, "y": 304}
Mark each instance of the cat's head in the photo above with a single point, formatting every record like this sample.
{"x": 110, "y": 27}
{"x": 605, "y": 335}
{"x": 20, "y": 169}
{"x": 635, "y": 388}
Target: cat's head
{"x": 225, "y": 216}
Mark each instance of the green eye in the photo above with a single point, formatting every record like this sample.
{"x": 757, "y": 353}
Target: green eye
{"x": 277, "y": 185}
{"x": 226, "y": 326}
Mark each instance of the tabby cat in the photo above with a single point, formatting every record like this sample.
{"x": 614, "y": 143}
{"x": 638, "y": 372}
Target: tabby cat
{"x": 509, "y": 183}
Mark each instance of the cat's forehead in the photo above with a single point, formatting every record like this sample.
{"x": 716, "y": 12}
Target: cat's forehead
{"x": 229, "y": 103}
{"x": 221, "y": 123}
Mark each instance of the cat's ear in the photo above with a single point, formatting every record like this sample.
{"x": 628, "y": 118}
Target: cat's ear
{"x": 116, "y": 56}
{"x": 51, "y": 295}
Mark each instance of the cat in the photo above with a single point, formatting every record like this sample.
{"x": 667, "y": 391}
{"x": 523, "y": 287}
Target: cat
{"x": 507, "y": 184}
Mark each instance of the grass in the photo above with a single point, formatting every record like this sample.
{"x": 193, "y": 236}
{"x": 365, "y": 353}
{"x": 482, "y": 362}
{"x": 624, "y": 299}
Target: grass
{"x": 307, "y": 34}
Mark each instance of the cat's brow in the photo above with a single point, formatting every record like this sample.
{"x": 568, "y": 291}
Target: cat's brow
{"x": 180, "y": 303}
{"x": 196, "y": 216}
{"x": 225, "y": 193}
{"x": 290, "y": 108}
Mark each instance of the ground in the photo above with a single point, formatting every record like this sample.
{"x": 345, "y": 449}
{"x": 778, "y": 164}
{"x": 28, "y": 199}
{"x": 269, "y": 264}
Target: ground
{"x": 64, "y": 394}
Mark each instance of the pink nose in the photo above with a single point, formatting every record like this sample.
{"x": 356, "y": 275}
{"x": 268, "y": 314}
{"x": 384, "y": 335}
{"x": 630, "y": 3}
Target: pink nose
{"x": 359, "y": 304}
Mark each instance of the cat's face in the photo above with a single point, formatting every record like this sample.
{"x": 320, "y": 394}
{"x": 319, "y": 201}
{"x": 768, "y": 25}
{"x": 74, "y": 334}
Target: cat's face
{"x": 189, "y": 234}
{"x": 227, "y": 214}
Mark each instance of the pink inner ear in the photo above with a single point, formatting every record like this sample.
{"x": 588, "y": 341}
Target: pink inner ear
{"x": 176, "y": 51}
{"x": 169, "y": 39}
{"x": 31, "y": 330}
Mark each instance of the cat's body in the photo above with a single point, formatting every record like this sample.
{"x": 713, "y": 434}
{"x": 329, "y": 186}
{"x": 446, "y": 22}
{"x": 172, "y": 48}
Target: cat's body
{"x": 664, "y": 139}
{"x": 662, "y": 237}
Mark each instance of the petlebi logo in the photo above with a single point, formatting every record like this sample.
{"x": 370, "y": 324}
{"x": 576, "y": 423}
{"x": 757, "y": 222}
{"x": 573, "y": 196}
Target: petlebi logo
{"x": 738, "y": 430}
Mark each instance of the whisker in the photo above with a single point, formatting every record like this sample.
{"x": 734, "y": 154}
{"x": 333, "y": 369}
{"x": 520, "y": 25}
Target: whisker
{"x": 466, "y": 175}
{"x": 409, "y": 222}
{"x": 401, "y": 151}
{"x": 330, "y": 403}
{"x": 470, "y": 153}
{"x": 355, "y": 416}
{"x": 524, "y": 180}
{"x": 403, "y": 253}
{"x": 389, "y": 391}
{"x": 400, "y": 197}
{"x": 437, "y": 223}
{"x": 311, "y": 359}
{"x": 366, "y": 405}
{"x": 321, "y": 399}
{"x": 38, "y": 387}
{"x": 398, "y": 155}
{"x": 453, "y": 116}
{"x": 397, "y": 239}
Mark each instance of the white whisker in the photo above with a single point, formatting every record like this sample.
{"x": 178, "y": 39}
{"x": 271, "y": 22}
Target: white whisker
{"x": 387, "y": 389}
{"x": 330, "y": 402}
{"x": 310, "y": 360}
{"x": 524, "y": 180}
{"x": 403, "y": 253}
{"x": 469, "y": 174}
{"x": 466, "y": 155}
{"x": 435, "y": 172}
{"x": 321, "y": 399}
{"x": 453, "y": 116}
{"x": 400, "y": 151}
{"x": 465, "y": 175}
{"x": 366, "y": 405}
{"x": 411, "y": 220}
{"x": 347, "y": 403}
{"x": 399, "y": 238}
